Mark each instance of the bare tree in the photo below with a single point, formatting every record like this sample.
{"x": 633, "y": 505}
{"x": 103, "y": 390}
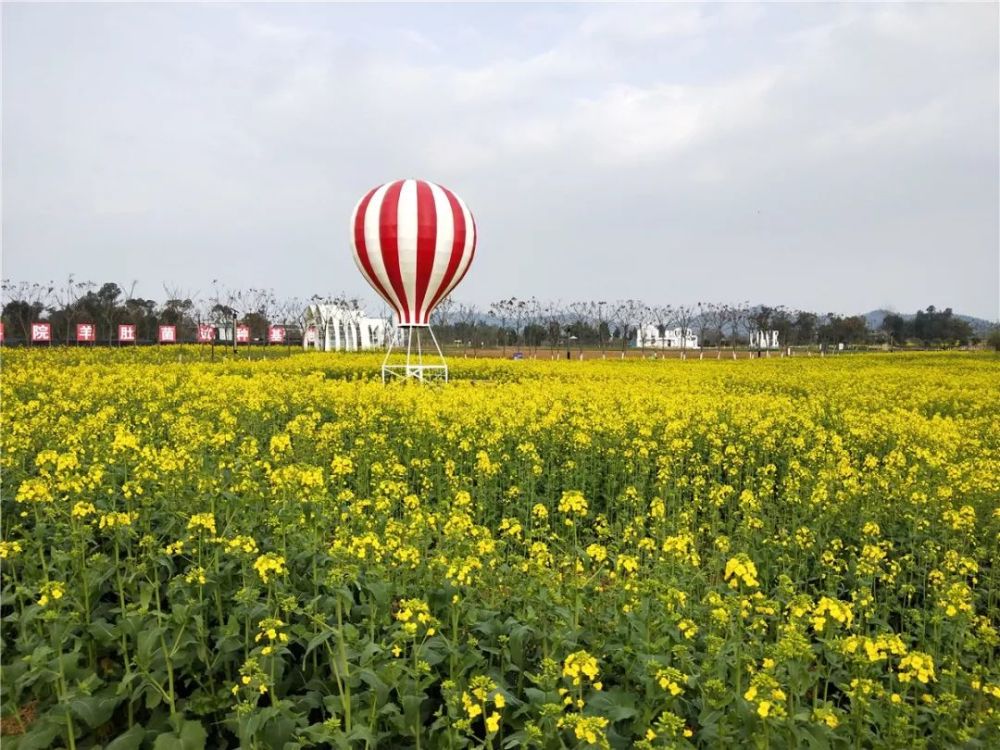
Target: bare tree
{"x": 532, "y": 318}
{"x": 179, "y": 309}
{"x": 718, "y": 313}
{"x": 624, "y": 314}
{"x": 704, "y": 325}
{"x": 737, "y": 316}
{"x": 501, "y": 311}
{"x": 108, "y": 309}
{"x": 293, "y": 311}
{"x": 66, "y": 297}
{"x": 685, "y": 318}
{"x": 662, "y": 317}
{"x": 518, "y": 314}
{"x": 578, "y": 318}
{"x": 466, "y": 315}
{"x": 599, "y": 315}
{"x": 23, "y": 302}
{"x": 644, "y": 321}
{"x": 442, "y": 313}
{"x": 553, "y": 317}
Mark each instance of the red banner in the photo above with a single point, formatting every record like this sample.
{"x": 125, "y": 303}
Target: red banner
{"x": 41, "y": 332}
{"x": 86, "y": 332}
{"x": 126, "y": 332}
{"x": 168, "y": 334}
{"x": 242, "y": 334}
{"x": 311, "y": 335}
{"x": 276, "y": 334}
{"x": 206, "y": 334}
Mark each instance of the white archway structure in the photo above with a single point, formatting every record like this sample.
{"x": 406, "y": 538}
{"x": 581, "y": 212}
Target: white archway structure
{"x": 662, "y": 337}
{"x": 338, "y": 328}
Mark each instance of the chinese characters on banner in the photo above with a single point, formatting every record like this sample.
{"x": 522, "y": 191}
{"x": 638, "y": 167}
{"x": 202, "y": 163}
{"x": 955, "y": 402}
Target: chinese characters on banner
{"x": 242, "y": 334}
{"x": 86, "y": 332}
{"x": 41, "y": 332}
{"x": 126, "y": 333}
{"x": 206, "y": 334}
{"x": 276, "y": 334}
{"x": 311, "y": 335}
{"x": 168, "y": 334}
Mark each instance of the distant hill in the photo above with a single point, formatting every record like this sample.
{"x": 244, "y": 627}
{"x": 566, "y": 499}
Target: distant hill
{"x": 875, "y": 317}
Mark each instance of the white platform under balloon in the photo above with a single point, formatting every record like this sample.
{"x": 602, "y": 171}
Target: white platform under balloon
{"x": 421, "y": 360}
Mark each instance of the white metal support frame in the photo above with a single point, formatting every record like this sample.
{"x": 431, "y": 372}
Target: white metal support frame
{"x": 414, "y": 367}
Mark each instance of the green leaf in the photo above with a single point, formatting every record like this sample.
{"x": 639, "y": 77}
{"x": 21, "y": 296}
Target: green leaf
{"x": 615, "y": 704}
{"x": 168, "y": 741}
{"x": 130, "y": 740}
{"x": 39, "y": 737}
{"x": 317, "y": 641}
{"x": 193, "y": 735}
{"x": 94, "y": 710}
{"x": 411, "y": 709}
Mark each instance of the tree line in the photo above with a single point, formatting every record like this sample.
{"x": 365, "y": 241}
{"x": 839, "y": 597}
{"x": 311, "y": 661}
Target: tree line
{"x": 505, "y": 323}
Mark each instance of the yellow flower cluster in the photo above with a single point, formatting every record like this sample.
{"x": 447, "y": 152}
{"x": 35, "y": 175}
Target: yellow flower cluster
{"x": 341, "y": 466}
{"x": 241, "y": 544}
{"x": 766, "y": 695}
{"x": 671, "y": 680}
{"x": 482, "y": 692}
{"x": 875, "y": 649}
{"x": 682, "y": 547}
{"x": 741, "y": 569}
{"x": 83, "y": 509}
{"x": 573, "y": 503}
{"x": 270, "y": 628}
{"x": 589, "y": 729}
{"x": 268, "y": 565}
{"x": 834, "y": 609}
{"x": 415, "y": 615}
{"x": 202, "y": 521}
{"x": 253, "y": 678}
{"x": 116, "y": 519}
{"x": 10, "y": 549}
{"x": 580, "y": 666}
{"x": 51, "y": 591}
{"x": 916, "y": 666}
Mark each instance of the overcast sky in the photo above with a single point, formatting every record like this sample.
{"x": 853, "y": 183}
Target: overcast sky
{"x": 829, "y": 157}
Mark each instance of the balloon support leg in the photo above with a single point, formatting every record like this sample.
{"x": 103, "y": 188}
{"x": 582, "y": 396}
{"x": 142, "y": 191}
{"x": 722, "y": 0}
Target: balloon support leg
{"x": 416, "y": 366}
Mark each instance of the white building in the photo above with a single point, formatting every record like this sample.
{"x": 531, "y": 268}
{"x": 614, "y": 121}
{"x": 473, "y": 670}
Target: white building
{"x": 661, "y": 337}
{"x": 335, "y": 328}
{"x": 763, "y": 339}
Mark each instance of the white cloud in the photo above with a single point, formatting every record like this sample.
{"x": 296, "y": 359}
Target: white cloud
{"x": 799, "y": 136}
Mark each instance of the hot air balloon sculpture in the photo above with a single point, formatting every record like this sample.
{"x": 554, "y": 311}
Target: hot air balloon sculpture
{"x": 413, "y": 241}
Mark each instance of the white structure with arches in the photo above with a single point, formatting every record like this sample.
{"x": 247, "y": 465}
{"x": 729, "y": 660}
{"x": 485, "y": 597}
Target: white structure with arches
{"x": 336, "y": 328}
{"x": 661, "y": 337}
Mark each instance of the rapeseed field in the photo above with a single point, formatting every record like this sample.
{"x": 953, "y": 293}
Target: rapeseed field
{"x": 285, "y": 553}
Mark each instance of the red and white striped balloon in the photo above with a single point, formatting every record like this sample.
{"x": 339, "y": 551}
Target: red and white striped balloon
{"x": 413, "y": 241}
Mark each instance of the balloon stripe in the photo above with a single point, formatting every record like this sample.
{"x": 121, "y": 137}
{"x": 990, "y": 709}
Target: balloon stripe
{"x": 375, "y": 248}
{"x": 426, "y": 235}
{"x": 389, "y": 241}
{"x": 442, "y": 248}
{"x": 457, "y": 247}
{"x": 407, "y": 231}
{"x": 470, "y": 248}
{"x": 361, "y": 258}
